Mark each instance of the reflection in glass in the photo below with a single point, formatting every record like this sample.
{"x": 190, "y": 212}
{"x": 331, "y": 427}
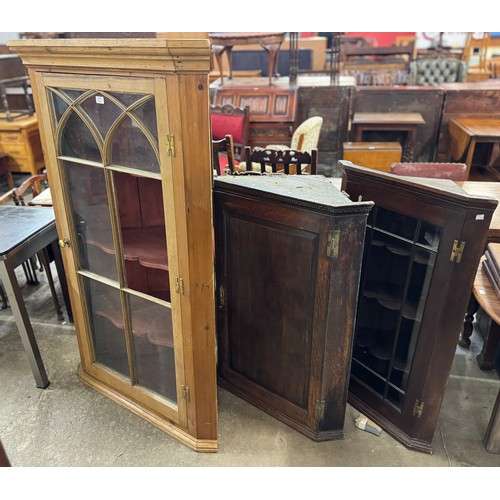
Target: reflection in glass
{"x": 89, "y": 204}
{"x": 106, "y": 325}
{"x": 152, "y": 337}
{"x": 77, "y": 141}
{"x": 60, "y": 106}
{"x": 131, "y": 148}
{"x": 126, "y": 99}
{"x": 397, "y": 272}
{"x": 102, "y": 111}
{"x": 147, "y": 113}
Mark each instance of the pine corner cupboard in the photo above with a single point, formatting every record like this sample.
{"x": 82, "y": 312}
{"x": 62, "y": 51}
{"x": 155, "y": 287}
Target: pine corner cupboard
{"x": 126, "y": 136}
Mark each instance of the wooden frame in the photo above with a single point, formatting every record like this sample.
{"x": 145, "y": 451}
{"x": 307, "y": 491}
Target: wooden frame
{"x": 176, "y": 75}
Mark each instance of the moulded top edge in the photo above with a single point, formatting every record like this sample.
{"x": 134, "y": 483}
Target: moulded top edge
{"x": 314, "y": 192}
{"x": 144, "y": 54}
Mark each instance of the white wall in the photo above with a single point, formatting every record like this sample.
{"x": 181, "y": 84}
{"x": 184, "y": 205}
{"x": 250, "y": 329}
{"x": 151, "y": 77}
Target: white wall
{"x": 4, "y": 36}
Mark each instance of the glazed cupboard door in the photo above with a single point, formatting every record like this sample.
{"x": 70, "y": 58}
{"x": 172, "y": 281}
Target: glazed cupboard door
{"x": 107, "y": 150}
{"x": 422, "y": 244}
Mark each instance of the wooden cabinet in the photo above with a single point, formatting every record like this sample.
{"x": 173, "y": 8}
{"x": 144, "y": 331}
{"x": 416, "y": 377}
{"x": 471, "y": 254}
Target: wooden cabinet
{"x": 288, "y": 257}
{"x": 273, "y": 111}
{"x": 422, "y": 247}
{"x": 20, "y": 141}
{"x": 125, "y": 125}
{"x": 376, "y": 155}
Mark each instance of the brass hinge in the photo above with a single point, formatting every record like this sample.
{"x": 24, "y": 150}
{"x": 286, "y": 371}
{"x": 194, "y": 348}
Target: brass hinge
{"x": 222, "y": 297}
{"x": 170, "y": 145}
{"x": 186, "y": 394}
{"x": 332, "y": 248}
{"x": 418, "y": 408}
{"x": 319, "y": 409}
{"x": 456, "y": 251}
{"x": 179, "y": 285}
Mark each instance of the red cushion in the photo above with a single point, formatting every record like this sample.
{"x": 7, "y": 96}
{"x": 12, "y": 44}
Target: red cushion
{"x": 223, "y": 163}
{"x": 227, "y": 124}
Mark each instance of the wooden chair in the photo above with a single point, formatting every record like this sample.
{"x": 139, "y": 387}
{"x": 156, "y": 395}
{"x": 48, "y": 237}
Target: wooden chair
{"x": 223, "y": 155}
{"x": 453, "y": 171}
{"x": 4, "y": 170}
{"x": 17, "y": 195}
{"x": 232, "y": 120}
{"x": 287, "y": 161}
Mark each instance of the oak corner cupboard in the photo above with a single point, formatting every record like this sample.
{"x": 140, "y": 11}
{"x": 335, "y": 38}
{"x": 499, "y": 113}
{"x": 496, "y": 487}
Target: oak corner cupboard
{"x": 126, "y": 135}
{"x": 424, "y": 239}
{"x": 288, "y": 260}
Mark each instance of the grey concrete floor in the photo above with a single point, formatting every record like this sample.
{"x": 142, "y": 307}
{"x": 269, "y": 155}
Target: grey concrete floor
{"x": 71, "y": 425}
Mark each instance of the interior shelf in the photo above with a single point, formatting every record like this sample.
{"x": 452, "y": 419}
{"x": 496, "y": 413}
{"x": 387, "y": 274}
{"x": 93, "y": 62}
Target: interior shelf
{"x": 146, "y": 245}
{"x": 149, "y": 322}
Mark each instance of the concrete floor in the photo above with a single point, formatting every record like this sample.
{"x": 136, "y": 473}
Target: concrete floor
{"x": 71, "y": 425}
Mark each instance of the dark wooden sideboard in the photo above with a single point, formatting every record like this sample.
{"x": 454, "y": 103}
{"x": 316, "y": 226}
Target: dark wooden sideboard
{"x": 273, "y": 111}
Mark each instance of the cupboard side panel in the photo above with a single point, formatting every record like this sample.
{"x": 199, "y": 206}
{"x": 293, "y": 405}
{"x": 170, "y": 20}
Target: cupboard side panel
{"x": 193, "y": 183}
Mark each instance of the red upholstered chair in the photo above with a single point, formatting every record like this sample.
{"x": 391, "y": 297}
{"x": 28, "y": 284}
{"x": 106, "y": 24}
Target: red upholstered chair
{"x": 228, "y": 119}
{"x": 453, "y": 171}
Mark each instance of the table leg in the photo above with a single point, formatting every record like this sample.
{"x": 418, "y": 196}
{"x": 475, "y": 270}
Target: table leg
{"x": 20, "y": 313}
{"x": 409, "y": 146}
{"x": 56, "y": 253}
{"x": 492, "y": 436}
{"x": 487, "y": 357}
{"x": 470, "y": 155}
{"x": 218, "y": 50}
{"x": 272, "y": 50}
{"x": 495, "y": 153}
{"x": 464, "y": 340}
{"x": 44, "y": 259}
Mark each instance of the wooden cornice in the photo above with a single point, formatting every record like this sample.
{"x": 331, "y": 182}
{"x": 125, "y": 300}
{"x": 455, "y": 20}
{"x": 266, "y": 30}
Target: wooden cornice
{"x": 144, "y": 56}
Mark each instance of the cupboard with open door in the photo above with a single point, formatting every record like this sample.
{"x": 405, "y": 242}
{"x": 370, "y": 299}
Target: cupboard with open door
{"x": 126, "y": 134}
{"x": 423, "y": 242}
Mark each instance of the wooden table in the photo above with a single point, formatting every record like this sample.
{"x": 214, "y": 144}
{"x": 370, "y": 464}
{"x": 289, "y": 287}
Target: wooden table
{"x": 24, "y": 231}
{"x": 44, "y": 199}
{"x": 397, "y": 122}
{"x": 491, "y": 190}
{"x": 466, "y": 133}
{"x": 485, "y": 297}
{"x": 224, "y": 42}
{"x": 20, "y": 141}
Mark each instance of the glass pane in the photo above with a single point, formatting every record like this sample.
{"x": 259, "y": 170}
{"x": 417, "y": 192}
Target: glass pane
{"x": 101, "y": 111}
{"x": 147, "y": 113}
{"x": 396, "y": 280}
{"x": 142, "y": 223}
{"x": 430, "y": 236}
{"x": 394, "y": 223}
{"x": 89, "y": 204}
{"x": 153, "y": 346}
{"x": 131, "y": 148}
{"x": 127, "y": 99}
{"x": 106, "y": 325}
{"x": 77, "y": 140}
{"x": 60, "y": 106}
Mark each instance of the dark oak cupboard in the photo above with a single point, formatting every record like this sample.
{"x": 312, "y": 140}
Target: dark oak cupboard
{"x": 423, "y": 242}
{"x": 288, "y": 259}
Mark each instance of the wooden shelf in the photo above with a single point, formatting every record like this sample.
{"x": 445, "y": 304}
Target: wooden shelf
{"x": 146, "y": 245}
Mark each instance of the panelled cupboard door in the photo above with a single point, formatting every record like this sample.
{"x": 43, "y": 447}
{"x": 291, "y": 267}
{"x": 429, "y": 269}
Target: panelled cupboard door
{"x": 122, "y": 220}
{"x": 288, "y": 258}
{"x": 423, "y": 241}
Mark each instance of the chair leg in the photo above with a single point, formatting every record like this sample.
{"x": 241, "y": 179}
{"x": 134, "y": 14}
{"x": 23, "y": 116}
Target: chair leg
{"x": 4, "y": 298}
{"x": 44, "y": 259}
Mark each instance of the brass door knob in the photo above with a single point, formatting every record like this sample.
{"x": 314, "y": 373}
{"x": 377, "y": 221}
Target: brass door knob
{"x": 64, "y": 242}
